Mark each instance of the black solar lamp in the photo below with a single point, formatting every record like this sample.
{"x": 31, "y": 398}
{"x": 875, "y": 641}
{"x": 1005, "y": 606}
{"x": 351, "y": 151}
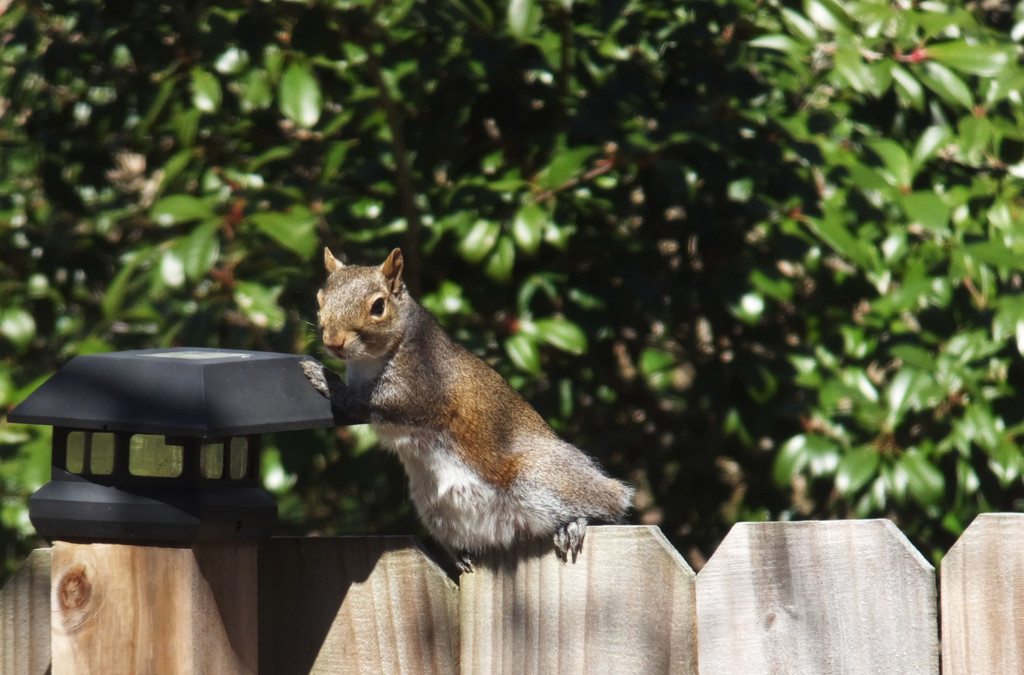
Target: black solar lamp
{"x": 163, "y": 445}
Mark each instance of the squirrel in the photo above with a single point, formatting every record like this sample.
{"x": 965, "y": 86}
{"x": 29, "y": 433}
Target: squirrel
{"x": 485, "y": 470}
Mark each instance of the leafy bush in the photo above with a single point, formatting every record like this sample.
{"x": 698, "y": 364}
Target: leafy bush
{"x": 760, "y": 258}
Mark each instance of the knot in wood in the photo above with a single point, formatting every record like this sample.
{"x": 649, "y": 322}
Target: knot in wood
{"x": 74, "y": 588}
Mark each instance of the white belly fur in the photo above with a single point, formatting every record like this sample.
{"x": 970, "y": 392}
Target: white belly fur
{"x": 457, "y": 506}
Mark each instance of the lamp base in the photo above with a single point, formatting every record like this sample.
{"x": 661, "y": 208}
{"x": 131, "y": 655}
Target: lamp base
{"x": 79, "y": 509}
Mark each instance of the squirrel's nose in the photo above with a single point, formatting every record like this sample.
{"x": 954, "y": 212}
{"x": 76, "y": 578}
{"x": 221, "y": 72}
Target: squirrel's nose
{"x": 335, "y": 342}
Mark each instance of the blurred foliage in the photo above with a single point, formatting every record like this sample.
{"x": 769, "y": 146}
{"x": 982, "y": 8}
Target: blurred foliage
{"x": 764, "y": 259}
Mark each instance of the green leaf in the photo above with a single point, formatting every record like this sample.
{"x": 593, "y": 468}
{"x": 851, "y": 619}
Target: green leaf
{"x": 563, "y": 334}
{"x": 528, "y": 227}
{"x": 973, "y": 135}
{"x": 994, "y": 252}
{"x": 749, "y": 308}
{"x": 947, "y": 84}
{"x": 299, "y": 96}
{"x": 909, "y": 390}
{"x": 565, "y": 166}
{"x": 479, "y": 240}
{"x": 835, "y": 234}
{"x": 927, "y": 209}
{"x": 524, "y": 18}
{"x": 175, "y": 209}
{"x": 270, "y": 155}
{"x": 895, "y": 160}
{"x": 740, "y": 190}
{"x": 172, "y": 268}
{"x": 908, "y": 87}
{"x": 654, "y": 361}
{"x": 781, "y": 43}
{"x": 929, "y": 144}
{"x": 974, "y": 59}
{"x": 199, "y": 251}
{"x": 524, "y": 353}
{"x": 233, "y": 61}
{"x": 295, "y": 230}
{"x": 333, "y": 159}
{"x": 925, "y": 481}
{"x": 856, "y": 72}
{"x": 113, "y": 298}
{"x": 206, "y": 93}
{"x": 255, "y": 91}
{"x": 18, "y": 326}
{"x": 799, "y": 25}
{"x": 791, "y": 460}
{"x": 502, "y": 260}
{"x": 855, "y": 469}
{"x": 828, "y": 15}
{"x": 914, "y": 356}
{"x": 259, "y": 304}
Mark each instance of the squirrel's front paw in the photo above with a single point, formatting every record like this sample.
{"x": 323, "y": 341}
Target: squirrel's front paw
{"x": 317, "y": 375}
{"x": 569, "y": 538}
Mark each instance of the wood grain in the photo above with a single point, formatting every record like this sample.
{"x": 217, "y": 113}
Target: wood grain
{"x": 355, "y": 605}
{"x": 25, "y": 617}
{"x": 147, "y": 609}
{"x": 817, "y": 598}
{"x": 626, "y": 605}
{"x": 983, "y": 598}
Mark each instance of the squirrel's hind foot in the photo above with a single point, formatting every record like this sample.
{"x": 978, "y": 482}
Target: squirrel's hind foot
{"x": 569, "y": 538}
{"x": 464, "y": 561}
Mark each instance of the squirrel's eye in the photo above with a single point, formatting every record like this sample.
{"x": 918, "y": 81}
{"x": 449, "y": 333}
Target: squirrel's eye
{"x": 377, "y": 309}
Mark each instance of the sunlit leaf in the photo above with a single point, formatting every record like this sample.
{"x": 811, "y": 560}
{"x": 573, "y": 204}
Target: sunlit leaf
{"x": 947, "y": 84}
{"x": 528, "y": 227}
{"x": 295, "y": 230}
{"x": 856, "y": 468}
{"x": 259, "y": 304}
{"x": 563, "y": 334}
{"x": 502, "y": 260}
{"x": 523, "y": 352}
{"x": 175, "y": 209}
{"x": 206, "y": 93}
{"x": 18, "y": 326}
{"x": 479, "y": 240}
{"x": 299, "y": 96}
{"x": 925, "y": 482}
{"x": 565, "y": 165}
{"x": 975, "y": 59}
{"x": 523, "y": 18}
{"x": 927, "y": 209}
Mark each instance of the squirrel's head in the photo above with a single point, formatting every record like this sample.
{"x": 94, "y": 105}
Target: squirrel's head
{"x": 360, "y": 307}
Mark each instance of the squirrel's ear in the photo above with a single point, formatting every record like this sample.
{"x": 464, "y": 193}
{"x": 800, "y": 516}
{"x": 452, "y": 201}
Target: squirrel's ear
{"x": 392, "y": 270}
{"x": 330, "y": 262}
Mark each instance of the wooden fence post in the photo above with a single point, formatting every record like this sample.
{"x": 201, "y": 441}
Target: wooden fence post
{"x": 120, "y": 608}
{"x": 982, "y": 596}
{"x": 817, "y": 598}
{"x": 625, "y": 606}
{"x": 25, "y": 618}
{"x": 355, "y": 605}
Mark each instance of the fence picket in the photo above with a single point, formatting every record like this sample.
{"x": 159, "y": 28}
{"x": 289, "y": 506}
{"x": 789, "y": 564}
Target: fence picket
{"x": 625, "y": 606}
{"x": 817, "y": 597}
{"x": 355, "y": 605}
{"x": 982, "y": 591}
{"x": 25, "y": 617}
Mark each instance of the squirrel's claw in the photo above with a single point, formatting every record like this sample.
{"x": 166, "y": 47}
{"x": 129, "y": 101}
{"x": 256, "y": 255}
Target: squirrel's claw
{"x": 316, "y": 374}
{"x": 569, "y": 538}
{"x": 464, "y": 561}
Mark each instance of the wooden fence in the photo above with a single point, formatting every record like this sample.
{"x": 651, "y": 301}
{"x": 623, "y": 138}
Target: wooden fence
{"x": 788, "y": 598}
